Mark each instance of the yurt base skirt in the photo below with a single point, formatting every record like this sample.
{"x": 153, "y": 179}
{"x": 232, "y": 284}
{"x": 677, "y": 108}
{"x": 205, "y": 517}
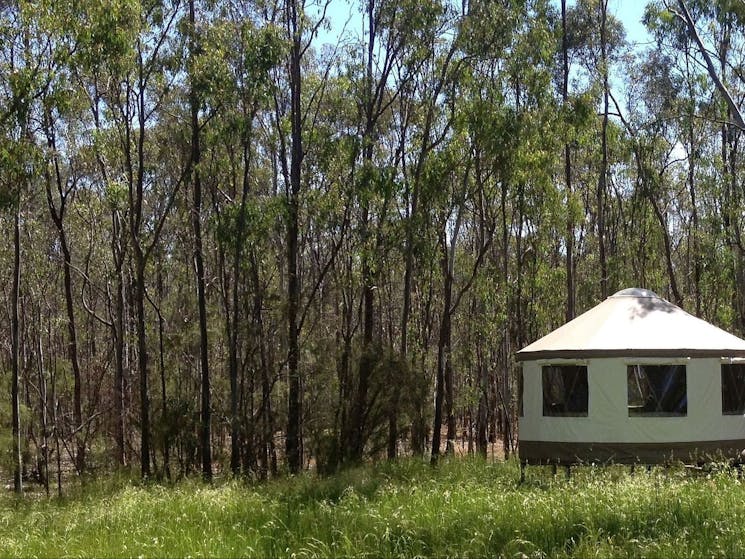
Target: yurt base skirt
{"x": 551, "y": 452}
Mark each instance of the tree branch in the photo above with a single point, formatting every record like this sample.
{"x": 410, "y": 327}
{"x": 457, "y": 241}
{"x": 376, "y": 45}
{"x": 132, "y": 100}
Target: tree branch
{"x": 685, "y": 15}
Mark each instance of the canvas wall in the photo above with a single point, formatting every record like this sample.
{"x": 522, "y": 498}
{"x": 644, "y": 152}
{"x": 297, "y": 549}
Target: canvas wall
{"x": 608, "y": 419}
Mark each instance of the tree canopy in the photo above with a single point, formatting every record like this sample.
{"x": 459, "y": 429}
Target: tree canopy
{"x": 239, "y": 249}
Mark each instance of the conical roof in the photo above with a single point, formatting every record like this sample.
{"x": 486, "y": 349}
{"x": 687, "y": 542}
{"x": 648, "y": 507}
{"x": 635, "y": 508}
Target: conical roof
{"x": 635, "y": 323}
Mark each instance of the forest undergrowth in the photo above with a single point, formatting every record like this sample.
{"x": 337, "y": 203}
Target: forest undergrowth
{"x": 463, "y": 507}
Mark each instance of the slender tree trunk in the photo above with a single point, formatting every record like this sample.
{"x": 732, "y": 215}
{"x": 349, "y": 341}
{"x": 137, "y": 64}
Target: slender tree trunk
{"x": 602, "y": 181}
{"x": 73, "y": 355}
{"x": 448, "y": 263}
{"x": 570, "y": 307}
{"x": 196, "y": 221}
{"x": 405, "y": 312}
{"x": 162, "y": 366}
{"x": 136, "y": 198}
{"x": 344, "y": 365}
{"x": 482, "y": 418}
{"x": 142, "y": 358}
{"x": 442, "y": 353}
{"x": 294, "y": 413}
{"x": 267, "y": 422}
{"x": 58, "y": 217}
{"x": 697, "y": 268}
{"x": 357, "y": 443}
{"x": 43, "y": 402}
{"x": 55, "y": 412}
{"x": 15, "y": 349}
{"x": 118, "y": 248}
{"x": 235, "y": 427}
{"x": 366, "y": 365}
{"x": 729, "y": 145}
{"x": 233, "y": 317}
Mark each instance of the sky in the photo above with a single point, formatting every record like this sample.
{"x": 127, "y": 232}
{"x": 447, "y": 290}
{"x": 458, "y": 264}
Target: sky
{"x": 630, "y": 13}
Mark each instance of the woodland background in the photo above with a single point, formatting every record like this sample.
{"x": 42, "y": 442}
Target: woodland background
{"x": 232, "y": 248}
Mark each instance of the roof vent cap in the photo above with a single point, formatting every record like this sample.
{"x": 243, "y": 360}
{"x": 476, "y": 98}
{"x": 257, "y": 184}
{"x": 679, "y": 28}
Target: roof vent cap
{"x": 636, "y": 292}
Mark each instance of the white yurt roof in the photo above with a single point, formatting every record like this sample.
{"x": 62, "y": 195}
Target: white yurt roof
{"x": 635, "y": 323}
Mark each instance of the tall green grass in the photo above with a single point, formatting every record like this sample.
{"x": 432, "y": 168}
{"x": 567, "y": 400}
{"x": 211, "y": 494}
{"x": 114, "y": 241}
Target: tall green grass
{"x": 461, "y": 508}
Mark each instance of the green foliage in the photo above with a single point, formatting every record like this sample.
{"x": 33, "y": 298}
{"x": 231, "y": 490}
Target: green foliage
{"x": 462, "y": 508}
{"x": 104, "y": 33}
{"x": 583, "y": 23}
{"x": 233, "y": 62}
{"x": 259, "y": 216}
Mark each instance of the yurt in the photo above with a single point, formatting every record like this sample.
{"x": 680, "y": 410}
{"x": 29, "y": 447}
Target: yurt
{"x": 633, "y": 380}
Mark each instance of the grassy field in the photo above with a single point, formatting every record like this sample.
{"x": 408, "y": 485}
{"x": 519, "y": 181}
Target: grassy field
{"x": 462, "y": 508}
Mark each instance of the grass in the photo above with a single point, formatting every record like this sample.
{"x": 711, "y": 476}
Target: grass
{"x": 462, "y": 508}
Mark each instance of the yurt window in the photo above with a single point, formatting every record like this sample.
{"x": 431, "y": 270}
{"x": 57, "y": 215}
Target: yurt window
{"x": 733, "y": 388}
{"x": 657, "y": 390}
{"x": 565, "y": 390}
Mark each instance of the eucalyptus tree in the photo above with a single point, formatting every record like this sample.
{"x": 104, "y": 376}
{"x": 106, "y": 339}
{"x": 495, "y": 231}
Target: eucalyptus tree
{"x": 668, "y": 89}
{"x": 60, "y": 126}
{"x": 296, "y": 100}
{"x": 133, "y": 101}
{"x": 653, "y": 147}
{"x": 233, "y": 71}
{"x": 34, "y": 52}
{"x": 397, "y": 47}
{"x": 194, "y": 171}
{"x": 709, "y": 36}
{"x": 295, "y": 33}
{"x": 426, "y": 78}
{"x": 570, "y": 268}
{"x": 509, "y": 115}
{"x": 17, "y": 90}
{"x": 597, "y": 38}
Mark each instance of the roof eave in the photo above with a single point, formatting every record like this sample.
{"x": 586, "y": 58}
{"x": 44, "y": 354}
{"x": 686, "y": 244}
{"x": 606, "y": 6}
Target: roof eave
{"x": 590, "y": 353}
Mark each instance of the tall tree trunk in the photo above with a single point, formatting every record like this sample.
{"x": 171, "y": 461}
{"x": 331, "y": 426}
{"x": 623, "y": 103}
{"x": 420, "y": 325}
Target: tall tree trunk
{"x": 482, "y": 418}
{"x": 118, "y": 257}
{"x": 366, "y": 364}
{"x": 570, "y": 306}
{"x": 357, "y": 443}
{"x": 233, "y": 318}
{"x": 43, "y": 403}
{"x": 142, "y": 357}
{"x": 695, "y": 233}
{"x": 205, "y": 437}
{"x": 162, "y": 369}
{"x": 729, "y": 146}
{"x": 602, "y": 180}
{"x": 295, "y": 404}
{"x": 73, "y": 355}
{"x": 15, "y": 349}
{"x": 118, "y": 250}
{"x": 267, "y": 420}
{"x": 443, "y": 350}
{"x": 58, "y": 217}
{"x": 232, "y": 321}
{"x": 136, "y": 199}
{"x": 235, "y": 427}
{"x": 417, "y": 447}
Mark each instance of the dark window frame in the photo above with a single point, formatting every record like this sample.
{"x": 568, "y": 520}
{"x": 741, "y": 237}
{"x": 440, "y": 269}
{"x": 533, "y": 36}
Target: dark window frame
{"x": 565, "y": 390}
{"x": 657, "y": 390}
{"x": 733, "y": 391}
